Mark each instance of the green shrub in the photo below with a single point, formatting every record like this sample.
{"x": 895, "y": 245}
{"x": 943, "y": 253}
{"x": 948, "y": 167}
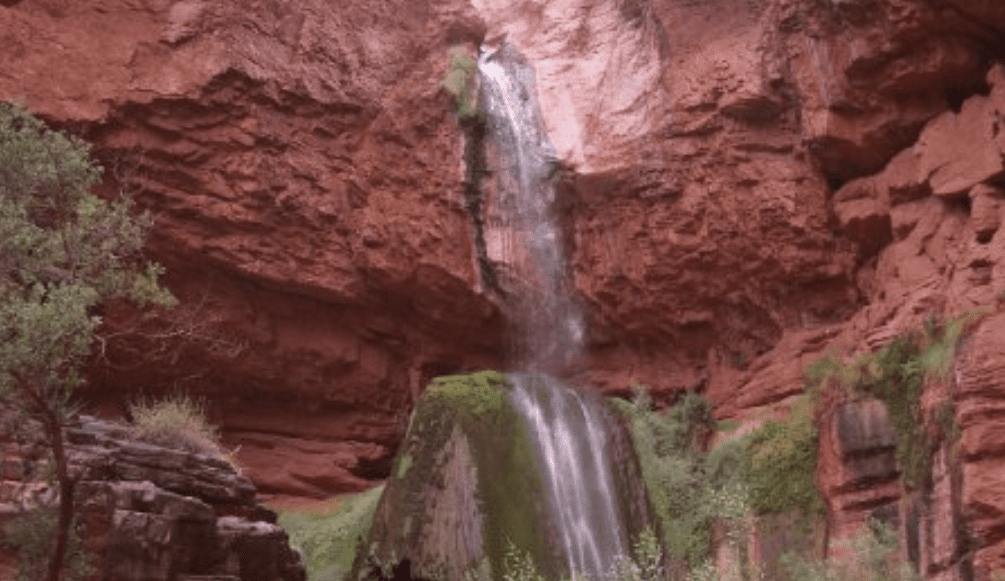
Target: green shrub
{"x": 872, "y": 555}
{"x": 30, "y": 535}
{"x": 63, "y": 253}
{"x": 177, "y": 421}
{"x": 646, "y": 563}
{"x": 689, "y": 489}
{"x": 896, "y": 375}
{"x": 328, "y": 539}
{"x": 781, "y": 464}
{"x": 519, "y": 566}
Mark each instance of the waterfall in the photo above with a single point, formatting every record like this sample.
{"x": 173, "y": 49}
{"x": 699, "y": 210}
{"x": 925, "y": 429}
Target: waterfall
{"x": 522, "y": 229}
{"x": 569, "y": 430}
{"x": 523, "y": 236}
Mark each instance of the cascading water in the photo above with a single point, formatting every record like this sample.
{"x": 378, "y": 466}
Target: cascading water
{"x": 566, "y": 425}
{"x": 569, "y": 430}
{"x": 522, "y": 229}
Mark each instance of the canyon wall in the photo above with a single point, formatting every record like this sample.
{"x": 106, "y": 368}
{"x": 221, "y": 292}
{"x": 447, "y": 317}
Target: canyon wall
{"x": 743, "y": 183}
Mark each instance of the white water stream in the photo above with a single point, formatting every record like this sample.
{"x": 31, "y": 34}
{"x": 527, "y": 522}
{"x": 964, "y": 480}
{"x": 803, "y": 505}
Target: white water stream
{"x": 523, "y": 234}
{"x": 569, "y": 430}
{"x": 522, "y": 230}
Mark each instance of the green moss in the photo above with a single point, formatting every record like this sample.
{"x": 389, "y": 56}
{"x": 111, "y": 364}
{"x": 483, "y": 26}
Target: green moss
{"x": 403, "y": 463}
{"x": 511, "y": 488}
{"x": 726, "y": 426}
{"x": 458, "y": 82}
{"x": 328, "y": 539}
{"x": 480, "y": 396}
{"x": 508, "y": 490}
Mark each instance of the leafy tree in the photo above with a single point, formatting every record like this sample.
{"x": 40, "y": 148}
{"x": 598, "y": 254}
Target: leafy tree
{"x": 63, "y": 251}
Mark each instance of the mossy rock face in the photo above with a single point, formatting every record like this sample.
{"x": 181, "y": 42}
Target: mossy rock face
{"x": 633, "y": 503}
{"x": 466, "y": 483}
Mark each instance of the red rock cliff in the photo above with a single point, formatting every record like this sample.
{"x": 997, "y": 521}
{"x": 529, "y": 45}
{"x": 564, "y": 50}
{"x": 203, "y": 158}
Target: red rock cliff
{"x": 307, "y": 177}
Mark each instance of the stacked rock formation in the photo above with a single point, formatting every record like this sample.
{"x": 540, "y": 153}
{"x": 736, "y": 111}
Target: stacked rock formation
{"x": 153, "y": 513}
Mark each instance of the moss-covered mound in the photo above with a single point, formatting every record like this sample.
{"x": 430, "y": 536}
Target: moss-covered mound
{"x": 466, "y": 492}
{"x": 465, "y": 484}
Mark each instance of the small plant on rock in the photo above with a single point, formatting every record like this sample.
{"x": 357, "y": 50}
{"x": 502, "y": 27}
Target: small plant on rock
{"x": 897, "y": 374}
{"x": 177, "y": 421}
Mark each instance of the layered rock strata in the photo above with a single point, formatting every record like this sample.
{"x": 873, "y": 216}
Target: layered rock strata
{"x": 305, "y": 175}
{"x": 927, "y": 228}
{"x": 149, "y": 512}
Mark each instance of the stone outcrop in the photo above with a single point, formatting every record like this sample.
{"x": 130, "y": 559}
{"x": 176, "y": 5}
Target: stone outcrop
{"x": 467, "y": 495}
{"x": 981, "y": 451}
{"x": 154, "y": 513}
{"x": 305, "y": 175}
{"x": 927, "y": 227}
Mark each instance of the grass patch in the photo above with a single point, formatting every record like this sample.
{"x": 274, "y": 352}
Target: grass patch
{"x": 328, "y": 539}
{"x": 177, "y": 421}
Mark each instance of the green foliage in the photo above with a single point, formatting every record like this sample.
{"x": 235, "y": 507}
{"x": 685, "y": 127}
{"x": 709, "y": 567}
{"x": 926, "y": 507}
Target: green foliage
{"x": 897, "y": 379}
{"x": 328, "y": 540}
{"x": 519, "y": 566}
{"x": 30, "y": 535}
{"x": 896, "y": 375}
{"x": 63, "y": 252}
{"x": 872, "y": 555}
{"x": 646, "y": 563}
{"x": 177, "y": 421}
{"x": 458, "y": 82}
{"x": 478, "y": 395}
{"x": 781, "y": 464}
{"x": 688, "y": 489}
